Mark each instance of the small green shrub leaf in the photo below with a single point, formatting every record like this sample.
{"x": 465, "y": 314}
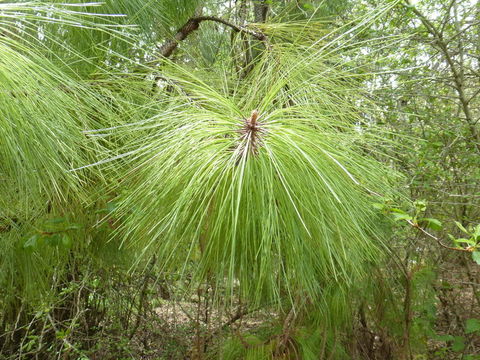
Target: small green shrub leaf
{"x": 476, "y": 257}
{"x": 398, "y": 217}
{"x": 66, "y": 241}
{"x": 59, "y": 220}
{"x": 461, "y": 227}
{"x": 432, "y": 223}
{"x": 458, "y": 343}
{"x": 476, "y": 233}
{"x": 472, "y": 326}
{"x": 53, "y": 240}
{"x": 444, "y": 338}
{"x": 465, "y": 241}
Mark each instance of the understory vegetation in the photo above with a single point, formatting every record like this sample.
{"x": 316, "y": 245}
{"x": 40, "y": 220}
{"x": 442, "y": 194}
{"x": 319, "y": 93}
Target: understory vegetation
{"x": 240, "y": 179}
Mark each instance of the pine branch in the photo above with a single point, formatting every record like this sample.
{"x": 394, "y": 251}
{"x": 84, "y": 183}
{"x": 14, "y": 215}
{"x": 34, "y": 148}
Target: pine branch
{"x": 193, "y": 24}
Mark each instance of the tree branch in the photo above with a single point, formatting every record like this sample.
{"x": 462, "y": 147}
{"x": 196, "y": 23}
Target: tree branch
{"x": 193, "y": 24}
{"x": 436, "y": 238}
{"x": 240, "y": 313}
{"x": 458, "y": 80}
{"x": 447, "y": 16}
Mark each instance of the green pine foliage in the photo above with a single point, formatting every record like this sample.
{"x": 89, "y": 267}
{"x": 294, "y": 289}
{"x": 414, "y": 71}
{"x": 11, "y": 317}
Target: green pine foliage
{"x": 253, "y": 178}
{"x": 284, "y": 208}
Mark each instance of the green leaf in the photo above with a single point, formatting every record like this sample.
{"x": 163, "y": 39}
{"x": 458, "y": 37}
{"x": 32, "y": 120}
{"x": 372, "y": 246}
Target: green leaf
{"x": 476, "y": 257}
{"x": 458, "y": 343}
{"x": 379, "y": 206}
{"x": 476, "y": 233}
{"x": 73, "y": 227}
{"x": 398, "y": 217}
{"x": 53, "y": 240}
{"x": 111, "y": 207}
{"x": 420, "y": 205}
{"x": 308, "y": 6}
{"x": 444, "y": 338}
{"x": 31, "y": 242}
{"x": 465, "y": 241}
{"x": 432, "y": 223}
{"x": 472, "y": 357}
{"x": 59, "y": 220}
{"x": 461, "y": 227}
{"x": 66, "y": 241}
{"x": 472, "y": 326}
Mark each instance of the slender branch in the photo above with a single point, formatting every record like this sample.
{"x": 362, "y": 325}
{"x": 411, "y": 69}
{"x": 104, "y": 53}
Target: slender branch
{"x": 142, "y": 297}
{"x": 287, "y": 327}
{"x": 193, "y": 24}
{"x": 464, "y": 30}
{"x": 258, "y": 35}
{"x": 473, "y": 95}
{"x": 436, "y": 238}
{"x": 68, "y": 344}
{"x": 239, "y": 314}
{"x": 458, "y": 80}
{"x": 447, "y": 16}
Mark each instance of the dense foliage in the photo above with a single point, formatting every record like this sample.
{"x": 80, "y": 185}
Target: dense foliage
{"x": 239, "y": 179}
